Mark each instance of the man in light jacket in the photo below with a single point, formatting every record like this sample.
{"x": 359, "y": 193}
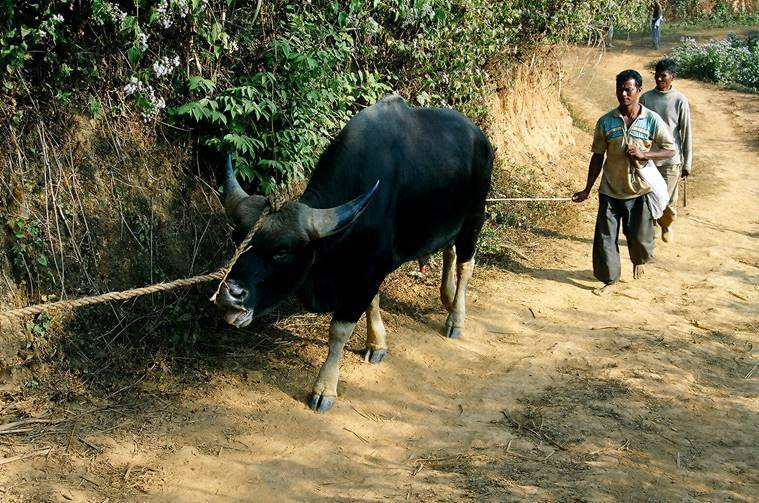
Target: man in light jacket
{"x": 673, "y": 108}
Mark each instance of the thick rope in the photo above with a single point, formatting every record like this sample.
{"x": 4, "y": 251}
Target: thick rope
{"x": 221, "y": 275}
{"x": 240, "y": 250}
{"x": 107, "y": 297}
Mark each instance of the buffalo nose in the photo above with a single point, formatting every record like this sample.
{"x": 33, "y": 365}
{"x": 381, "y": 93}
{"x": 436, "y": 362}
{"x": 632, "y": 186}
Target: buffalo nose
{"x": 236, "y": 291}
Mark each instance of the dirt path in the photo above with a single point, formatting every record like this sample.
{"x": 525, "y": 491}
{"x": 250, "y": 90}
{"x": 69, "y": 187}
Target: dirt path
{"x": 553, "y": 394}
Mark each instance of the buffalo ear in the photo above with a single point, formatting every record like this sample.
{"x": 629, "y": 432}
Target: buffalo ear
{"x": 248, "y": 211}
{"x": 326, "y": 222}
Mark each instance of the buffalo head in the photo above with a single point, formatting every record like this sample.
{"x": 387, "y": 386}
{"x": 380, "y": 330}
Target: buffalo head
{"x": 281, "y": 252}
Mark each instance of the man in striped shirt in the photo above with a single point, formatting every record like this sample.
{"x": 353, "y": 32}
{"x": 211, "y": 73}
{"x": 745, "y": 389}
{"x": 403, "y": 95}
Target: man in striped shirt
{"x": 624, "y": 136}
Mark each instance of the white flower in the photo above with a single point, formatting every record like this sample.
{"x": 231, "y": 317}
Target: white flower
{"x": 165, "y": 66}
{"x": 133, "y": 86}
{"x": 183, "y": 6}
{"x": 114, "y": 12}
{"x": 428, "y": 11}
{"x": 58, "y": 18}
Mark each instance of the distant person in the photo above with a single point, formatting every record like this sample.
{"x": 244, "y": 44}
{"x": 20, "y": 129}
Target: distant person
{"x": 656, "y": 20}
{"x": 624, "y": 136}
{"x": 673, "y": 108}
{"x": 608, "y": 35}
{"x": 607, "y": 32}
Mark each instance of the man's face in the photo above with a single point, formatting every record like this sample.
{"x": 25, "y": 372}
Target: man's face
{"x": 628, "y": 92}
{"x": 664, "y": 80}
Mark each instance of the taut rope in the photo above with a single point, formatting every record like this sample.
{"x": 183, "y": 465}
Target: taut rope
{"x": 221, "y": 275}
{"x": 106, "y": 297}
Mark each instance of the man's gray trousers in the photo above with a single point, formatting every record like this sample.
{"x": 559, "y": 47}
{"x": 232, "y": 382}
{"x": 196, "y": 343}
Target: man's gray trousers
{"x": 637, "y": 225}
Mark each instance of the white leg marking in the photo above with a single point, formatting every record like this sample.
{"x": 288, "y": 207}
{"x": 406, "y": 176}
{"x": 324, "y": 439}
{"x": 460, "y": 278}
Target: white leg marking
{"x": 376, "y": 337}
{"x": 455, "y": 322}
{"x": 326, "y": 384}
{"x": 448, "y": 283}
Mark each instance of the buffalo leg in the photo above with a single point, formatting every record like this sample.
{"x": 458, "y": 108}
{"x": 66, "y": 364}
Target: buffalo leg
{"x": 454, "y": 325}
{"x": 448, "y": 283}
{"x": 376, "y": 342}
{"x": 325, "y": 389}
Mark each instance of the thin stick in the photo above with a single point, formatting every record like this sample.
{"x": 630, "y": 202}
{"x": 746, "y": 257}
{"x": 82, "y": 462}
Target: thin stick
{"x": 541, "y": 436}
{"x": 10, "y": 426}
{"x": 750, "y": 372}
{"x": 744, "y": 299}
{"x": 527, "y": 199}
{"x": 362, "y": 414}
{"x": 417, "y": 470}
{"x": 19, "y": 430}
{"x": 41, "y": 452}
{"x": 90, "y": 444}
{"x": 357, "y": 435}
{"x": 89, "y": 480}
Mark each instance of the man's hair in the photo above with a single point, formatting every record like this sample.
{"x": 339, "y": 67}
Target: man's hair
{"x": 666, "y": 65}
{"x": 626, "y": 75}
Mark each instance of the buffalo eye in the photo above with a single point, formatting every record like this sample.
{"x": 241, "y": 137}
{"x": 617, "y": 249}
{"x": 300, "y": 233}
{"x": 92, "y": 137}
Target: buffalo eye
{"x": 282, "y": 256}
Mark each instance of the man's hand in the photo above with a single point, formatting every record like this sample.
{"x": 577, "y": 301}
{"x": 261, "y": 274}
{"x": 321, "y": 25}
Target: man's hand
{"x": 581, "y": 196}
{"x": 637, "y": 153}
{"x": 684, "y": 173}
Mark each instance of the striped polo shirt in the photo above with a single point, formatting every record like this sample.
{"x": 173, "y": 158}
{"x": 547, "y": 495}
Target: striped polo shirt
{"x": 620, "y": 179}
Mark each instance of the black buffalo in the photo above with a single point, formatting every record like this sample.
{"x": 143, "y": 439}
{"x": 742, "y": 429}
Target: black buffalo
{"x": 397, "y": 184}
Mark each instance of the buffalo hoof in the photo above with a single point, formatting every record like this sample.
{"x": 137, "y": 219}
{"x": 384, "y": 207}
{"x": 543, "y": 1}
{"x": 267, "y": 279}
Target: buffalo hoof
{"x": 453, "y": 332}
{"x": 321, "y": 403}
{"x": 375, "y": 355}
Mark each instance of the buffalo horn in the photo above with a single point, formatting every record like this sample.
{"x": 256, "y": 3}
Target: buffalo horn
{"x": 233, "y": 192}
{"x": 325, "y": 222}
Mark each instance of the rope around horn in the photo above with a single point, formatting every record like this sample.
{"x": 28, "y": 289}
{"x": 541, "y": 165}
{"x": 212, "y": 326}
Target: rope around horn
{"x": 221, "y": 275}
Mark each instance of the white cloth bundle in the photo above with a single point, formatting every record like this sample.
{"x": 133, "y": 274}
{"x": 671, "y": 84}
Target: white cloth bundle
{"x": 658, "y": 198}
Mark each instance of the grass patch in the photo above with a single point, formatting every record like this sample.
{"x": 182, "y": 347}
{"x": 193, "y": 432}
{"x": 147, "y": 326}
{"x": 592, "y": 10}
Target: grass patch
{"x": 577, "y": 120}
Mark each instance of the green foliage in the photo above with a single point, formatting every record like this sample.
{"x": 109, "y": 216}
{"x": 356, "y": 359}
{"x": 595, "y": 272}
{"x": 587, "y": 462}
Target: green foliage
{"x": 731, "y": 62}
{"x": 28, "y": 248}
{"x": 272, "y": 82}
{"x": 40, "y": 325}
{"x": 722, "y": 13}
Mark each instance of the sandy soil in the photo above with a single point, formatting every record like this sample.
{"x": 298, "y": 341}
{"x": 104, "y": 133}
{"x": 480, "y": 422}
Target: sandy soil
{"x": 648, "y": 394}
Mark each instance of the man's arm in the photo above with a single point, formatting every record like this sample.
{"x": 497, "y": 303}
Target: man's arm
{"x": 642, "y": 155}
{"x": 685, "y": 132}
{"x": 594, "y": 169}
{"x": 663, "y": 140}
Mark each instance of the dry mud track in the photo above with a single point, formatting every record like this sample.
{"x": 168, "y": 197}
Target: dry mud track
{"x": 648, "y": 394}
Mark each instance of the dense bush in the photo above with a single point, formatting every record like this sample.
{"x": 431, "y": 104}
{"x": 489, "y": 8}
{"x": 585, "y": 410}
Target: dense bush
{"x": 271, "y": 81}
{"x": 732, "y": 62}
{"x": 712, "y": 13}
